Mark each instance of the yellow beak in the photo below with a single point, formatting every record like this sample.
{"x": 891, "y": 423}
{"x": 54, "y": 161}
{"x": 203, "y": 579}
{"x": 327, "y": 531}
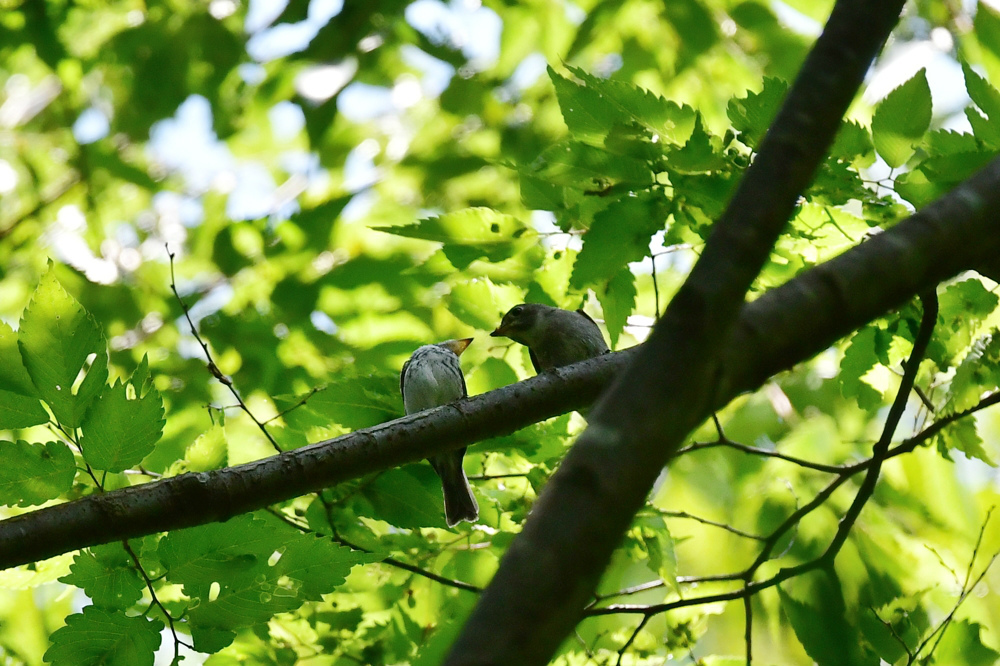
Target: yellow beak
{"x": 457, "y": 346}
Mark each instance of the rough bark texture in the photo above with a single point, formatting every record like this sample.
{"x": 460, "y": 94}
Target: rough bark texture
{"x": 553, "y": 566}
{"x": 784, "y": 327}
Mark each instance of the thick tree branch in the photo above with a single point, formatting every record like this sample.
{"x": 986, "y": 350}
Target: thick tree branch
{"x": 552, "y": 567}
{"x": 783, "y": 327}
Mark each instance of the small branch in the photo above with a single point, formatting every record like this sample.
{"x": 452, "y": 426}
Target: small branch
{"x": 631, "y": 639}
{"x": 391, "y": 561}
{"x": 966, "y": 590}
{"x": 706, "y": 521}
{"x": 212, "y": 367}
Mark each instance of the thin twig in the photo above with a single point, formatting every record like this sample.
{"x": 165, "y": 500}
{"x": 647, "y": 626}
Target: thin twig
{"x": 210, "y": 362}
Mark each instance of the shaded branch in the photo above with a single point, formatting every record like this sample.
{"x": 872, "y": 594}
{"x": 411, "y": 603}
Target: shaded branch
{"x": 785, "y": 326}
{"x": 553, "y": 566}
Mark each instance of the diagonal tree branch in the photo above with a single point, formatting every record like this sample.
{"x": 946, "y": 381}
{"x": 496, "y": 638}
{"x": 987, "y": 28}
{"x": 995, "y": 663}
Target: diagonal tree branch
{"x": 783, "y": 327}
{"x": 552, "y": 567}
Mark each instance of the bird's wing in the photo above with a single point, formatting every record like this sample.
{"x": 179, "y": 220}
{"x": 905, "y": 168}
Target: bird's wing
{"x": 534, "y": 361}
{"x": 402, "y": 375}
{"x": 461, "y": 376}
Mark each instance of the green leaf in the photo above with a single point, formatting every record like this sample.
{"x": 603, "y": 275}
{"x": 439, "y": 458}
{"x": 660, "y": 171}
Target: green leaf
{"x": 124, "y": 423}
{"x": 245, "y": 599}
{"x": 860, "y": 357}
{"x": 963, "y": 435}
{"x": 208, "y": 451}
{"x": 34, "y": 473}
{"x": 617, "y": 300}
{"x": 480, "y": 303}
{"x": 820, "y": 622}
{"x": 352, "y": 402}
{"x": 199, "y": 556}
{"x": 962, "y": 644}
{"x": 318, "y": 565}
{"x": 752, "y": 115}
{"x": 407, "y": 497}
{"x": 98, "y": 637}
{"x": 986, "y": 26}
{"x": 852, "y": 141}
{"x": 20, "y": 406}
{"x": 591, "y": 110}
{"x": 469, "y": 234}
{"x": 589, "y": 168}
{"x": 901, "y": 119}
{"x": 978, "y": 373}
{"x": 56, "y": 337}
{"x": 696, "y": 29}
{"x": 985, "y": 96}
{"x": 701, "y": 153}
{"x": 620, "y": 234}
{"x": 108, "y": 575}
{"x": 659, "y": 544}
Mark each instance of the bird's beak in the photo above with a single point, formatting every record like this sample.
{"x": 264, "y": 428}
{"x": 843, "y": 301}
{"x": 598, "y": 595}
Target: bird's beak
{"x": 500, "y": 332}
{"x": 458, "y": 346}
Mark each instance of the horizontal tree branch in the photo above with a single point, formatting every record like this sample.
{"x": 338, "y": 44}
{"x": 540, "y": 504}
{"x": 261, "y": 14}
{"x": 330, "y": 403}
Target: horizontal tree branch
{"x": 783, "y": 327}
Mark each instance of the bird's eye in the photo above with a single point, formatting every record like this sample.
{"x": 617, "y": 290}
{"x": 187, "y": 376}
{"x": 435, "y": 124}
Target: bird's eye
{"x": 516, "y": 310}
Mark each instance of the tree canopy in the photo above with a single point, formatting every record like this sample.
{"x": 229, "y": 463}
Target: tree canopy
{"x": 225, "y": 226}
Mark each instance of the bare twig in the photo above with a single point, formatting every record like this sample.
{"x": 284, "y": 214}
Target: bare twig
{"x": 210, "y": 362}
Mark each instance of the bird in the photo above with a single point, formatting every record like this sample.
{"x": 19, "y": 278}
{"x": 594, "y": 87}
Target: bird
{"x": 554, "y": 337}
{"x": 430, "y": 378}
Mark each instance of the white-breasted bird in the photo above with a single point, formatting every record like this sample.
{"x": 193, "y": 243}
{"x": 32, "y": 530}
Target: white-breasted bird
{"x": 554, "y": 337}
{"x": 433, "y": 377}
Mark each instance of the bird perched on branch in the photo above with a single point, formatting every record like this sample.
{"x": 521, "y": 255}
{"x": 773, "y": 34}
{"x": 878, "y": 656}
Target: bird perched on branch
{"x": 433, "y": 377}
{"x": 554, "y": 337}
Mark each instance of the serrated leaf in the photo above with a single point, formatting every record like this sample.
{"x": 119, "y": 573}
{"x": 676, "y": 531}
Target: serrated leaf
{"x": 589, "y": 168}
{"x": 20, "y": 406}
{"x": 752, "y": 115}
{"x": 619, "y": 234}
{"x": 962, "y": 643}
{"x": 318, "y": 564}
{"x": 985, "y": 96}
{"x": 98, "y": 637}
{"x": 108, "y": 576}
{"x": 591, "y": 110}
{"x": 409, "y": 497}
{"x": 196, "y": 557}
{"x": 120, "y": 429}
{"x": 901, "y": 119}
{"x": 852, "y": 141}
{"x": 699, "y": 154}
{"x": 56, "y": 337}
{"x": 353, "y": 402}
{"x": 34, "y": 473}
{"x": 244, "y": 599}
{"x": 617, "y": 299}
{"x": 978, "y": 373}
{"x": 963, "y": 435}
{"x": 469, "y": 234}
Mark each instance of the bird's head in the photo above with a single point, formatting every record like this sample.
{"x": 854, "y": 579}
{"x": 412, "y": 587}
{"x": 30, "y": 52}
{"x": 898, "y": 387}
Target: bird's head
{"x": 521, "y": 323}
{"x": 455, "y": 346}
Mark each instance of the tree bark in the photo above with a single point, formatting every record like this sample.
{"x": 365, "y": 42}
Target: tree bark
{"x": 783, "y": 327}
{"x": 553, "y": 566}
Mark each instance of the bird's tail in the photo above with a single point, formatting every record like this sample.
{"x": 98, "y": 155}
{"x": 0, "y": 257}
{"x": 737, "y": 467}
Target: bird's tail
{"x": 459, "y": 502}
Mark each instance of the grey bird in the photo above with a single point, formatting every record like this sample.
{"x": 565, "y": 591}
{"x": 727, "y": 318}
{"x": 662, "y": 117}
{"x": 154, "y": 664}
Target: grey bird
{"x": 554, "y": 337}
{"x": 433, "y": 377}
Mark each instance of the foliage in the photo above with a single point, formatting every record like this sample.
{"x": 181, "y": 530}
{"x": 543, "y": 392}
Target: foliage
{"x": 391, "y": 183}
